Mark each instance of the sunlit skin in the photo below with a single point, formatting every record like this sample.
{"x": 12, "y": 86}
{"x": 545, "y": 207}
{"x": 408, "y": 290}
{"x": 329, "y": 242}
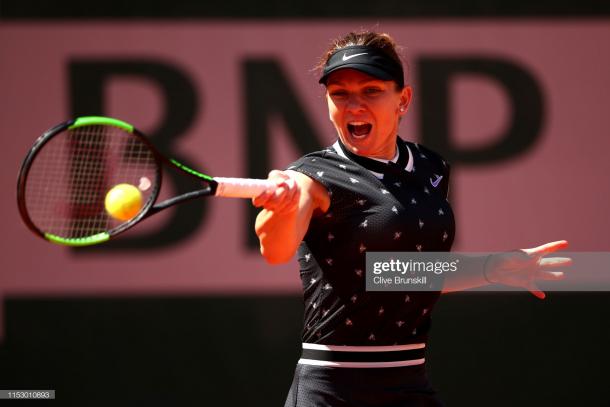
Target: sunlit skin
{"x": 354, "y": 97}
{"x": 375, "y": 107}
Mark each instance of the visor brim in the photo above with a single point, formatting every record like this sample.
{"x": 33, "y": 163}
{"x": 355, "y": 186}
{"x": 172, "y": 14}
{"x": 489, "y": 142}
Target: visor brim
{"x": 364, "y": 68}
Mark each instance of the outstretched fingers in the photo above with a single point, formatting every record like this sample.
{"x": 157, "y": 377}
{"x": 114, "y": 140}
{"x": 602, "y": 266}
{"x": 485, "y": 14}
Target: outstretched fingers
{"x": 550, "y": 275}
{"x": 547, "y": 248}
{"x": 547, "y": 268}
{"x": 548, "y": 263}
{"x": 532, "y": 288}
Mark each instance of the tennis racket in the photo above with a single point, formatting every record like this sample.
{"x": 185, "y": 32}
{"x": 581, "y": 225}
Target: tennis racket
{"x": 67, "y": 174}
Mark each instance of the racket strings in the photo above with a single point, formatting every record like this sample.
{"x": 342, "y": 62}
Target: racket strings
{"x": 88, "y": 181}
{"x": 70, "y": 177}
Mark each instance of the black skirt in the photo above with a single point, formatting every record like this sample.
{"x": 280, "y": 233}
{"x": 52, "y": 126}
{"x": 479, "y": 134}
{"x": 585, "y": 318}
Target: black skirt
{"x": 325, "y": 386}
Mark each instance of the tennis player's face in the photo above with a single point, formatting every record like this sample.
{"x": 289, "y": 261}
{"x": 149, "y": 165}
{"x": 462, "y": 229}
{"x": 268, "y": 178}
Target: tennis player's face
{"x": 366, "y": 111}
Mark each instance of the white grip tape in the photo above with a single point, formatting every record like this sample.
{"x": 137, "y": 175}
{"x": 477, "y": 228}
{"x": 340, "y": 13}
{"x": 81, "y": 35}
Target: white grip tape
{"x": 242, "y": 187}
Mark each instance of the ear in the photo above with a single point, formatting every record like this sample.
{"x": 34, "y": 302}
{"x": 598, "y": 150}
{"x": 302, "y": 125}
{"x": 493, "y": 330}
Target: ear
{"x": 405, "y": 99}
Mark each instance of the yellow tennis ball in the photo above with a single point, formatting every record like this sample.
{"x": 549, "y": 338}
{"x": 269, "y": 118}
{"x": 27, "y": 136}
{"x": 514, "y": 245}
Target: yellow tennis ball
{"x": 123, "y": 201}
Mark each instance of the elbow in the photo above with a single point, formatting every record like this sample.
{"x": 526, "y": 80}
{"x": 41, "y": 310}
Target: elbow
{"x": 276, "y": 256}
{"x": 275, "y": 260}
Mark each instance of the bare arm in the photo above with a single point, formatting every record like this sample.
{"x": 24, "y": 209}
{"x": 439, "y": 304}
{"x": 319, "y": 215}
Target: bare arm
{"x": 471, "y": 274}
{"x": 517, "y": 268}
{"x": 286, "y": 213}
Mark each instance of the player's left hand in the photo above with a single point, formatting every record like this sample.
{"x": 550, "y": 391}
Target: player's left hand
{"x": 521, "y": 268}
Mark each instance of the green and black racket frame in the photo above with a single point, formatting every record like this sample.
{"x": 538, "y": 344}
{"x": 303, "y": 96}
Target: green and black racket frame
{"x": 67, "y": 173}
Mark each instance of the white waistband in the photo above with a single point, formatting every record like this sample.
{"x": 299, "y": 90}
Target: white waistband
{"x": 362, "y": 364}
{"x": 357, "y": 349}
{"x": 341, "y": 348}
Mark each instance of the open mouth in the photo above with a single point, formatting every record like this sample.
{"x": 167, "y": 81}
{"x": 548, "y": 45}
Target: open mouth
{"x": 359, "y": 129}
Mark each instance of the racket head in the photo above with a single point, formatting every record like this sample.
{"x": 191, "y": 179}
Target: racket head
{"x": 64, "y": 179}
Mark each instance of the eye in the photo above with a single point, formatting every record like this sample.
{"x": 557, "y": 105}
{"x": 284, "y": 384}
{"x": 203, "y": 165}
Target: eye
{"x": 372, "y": 91}
{"x": 337, "y": 93}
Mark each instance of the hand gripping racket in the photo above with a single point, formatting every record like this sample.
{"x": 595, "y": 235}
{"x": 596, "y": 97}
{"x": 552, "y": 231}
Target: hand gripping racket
{"x": 65, "y": 177}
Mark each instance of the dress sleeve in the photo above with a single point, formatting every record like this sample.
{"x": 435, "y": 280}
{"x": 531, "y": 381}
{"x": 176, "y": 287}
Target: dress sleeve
{"x": 330, "y": 170}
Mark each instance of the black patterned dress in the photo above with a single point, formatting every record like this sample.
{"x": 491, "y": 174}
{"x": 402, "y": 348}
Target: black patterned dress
{"x": 371, "y": 209}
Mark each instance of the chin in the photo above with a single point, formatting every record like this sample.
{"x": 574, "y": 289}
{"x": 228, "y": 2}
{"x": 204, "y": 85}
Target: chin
{"x": 361, "y": 143}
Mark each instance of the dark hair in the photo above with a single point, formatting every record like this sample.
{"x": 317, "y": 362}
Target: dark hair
{"x": 381, "y": 41}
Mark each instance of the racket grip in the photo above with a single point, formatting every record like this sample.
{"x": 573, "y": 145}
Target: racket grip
{"x": 242, "y": 187}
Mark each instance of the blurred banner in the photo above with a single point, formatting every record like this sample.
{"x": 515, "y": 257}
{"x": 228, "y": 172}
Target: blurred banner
{"x": 519, "y": 108}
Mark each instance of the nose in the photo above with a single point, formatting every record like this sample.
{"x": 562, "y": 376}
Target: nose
{"x": 355, "y": 103}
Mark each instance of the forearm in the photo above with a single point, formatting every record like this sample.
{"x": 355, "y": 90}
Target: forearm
{"x": 283, "y": 222}
{"x": 279, "y": 234}
{"x": 470, "y": 274}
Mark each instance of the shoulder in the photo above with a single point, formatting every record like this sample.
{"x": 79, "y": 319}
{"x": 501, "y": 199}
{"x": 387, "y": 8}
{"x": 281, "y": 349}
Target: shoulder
{"x": 316, "y": 159}
{"x": 339, "y": 177}
{"x": 431, "y": 166}
{"x": 314, "y": 192}
{"x": 325, "y": 166}
{"x": 426, "y": 153}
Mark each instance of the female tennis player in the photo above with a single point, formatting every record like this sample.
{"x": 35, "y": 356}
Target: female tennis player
{"x": 370, "y": 191}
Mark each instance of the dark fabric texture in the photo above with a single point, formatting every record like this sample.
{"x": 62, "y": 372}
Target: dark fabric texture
{"x": 401, "y": 212}
{"x": 320, "y": 386}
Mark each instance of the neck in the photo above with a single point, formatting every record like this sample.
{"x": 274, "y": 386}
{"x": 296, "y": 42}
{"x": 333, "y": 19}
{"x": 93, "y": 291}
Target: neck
{"x": 387, "y": 154}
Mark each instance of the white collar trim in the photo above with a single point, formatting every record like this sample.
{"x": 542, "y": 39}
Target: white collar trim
{"x": 408, "y": 168}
